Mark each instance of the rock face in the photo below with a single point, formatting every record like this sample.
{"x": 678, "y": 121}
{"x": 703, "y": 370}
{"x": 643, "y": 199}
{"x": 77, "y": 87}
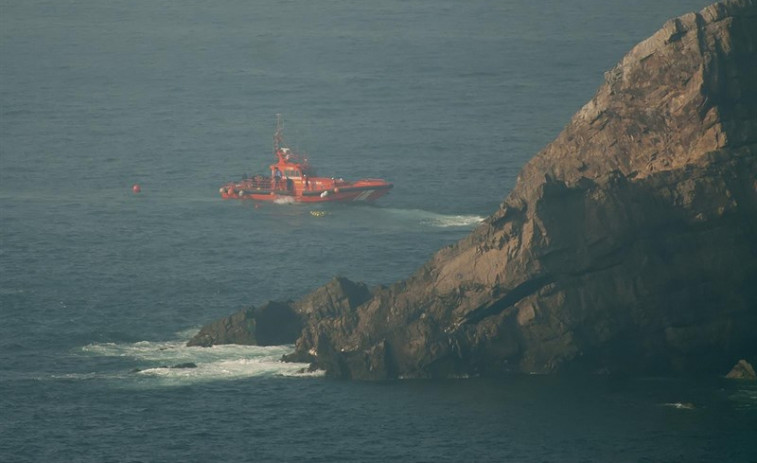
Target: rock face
{"x": 629, "y": 243}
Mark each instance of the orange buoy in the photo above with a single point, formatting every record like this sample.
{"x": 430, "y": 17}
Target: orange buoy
{"x": 136, "y": 188}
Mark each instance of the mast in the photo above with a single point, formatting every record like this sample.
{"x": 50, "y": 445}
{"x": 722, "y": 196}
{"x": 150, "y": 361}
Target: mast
{"x": 278, "y": 135}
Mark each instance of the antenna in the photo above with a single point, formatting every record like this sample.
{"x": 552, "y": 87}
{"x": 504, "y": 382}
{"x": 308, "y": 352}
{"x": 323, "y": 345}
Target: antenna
{"x": 277, "y": 136}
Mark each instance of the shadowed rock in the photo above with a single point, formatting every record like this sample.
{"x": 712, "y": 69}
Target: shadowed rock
{"x": 238, "y": 328}
{"x": 277, "y": 323}
{"x": 274, "y": 323}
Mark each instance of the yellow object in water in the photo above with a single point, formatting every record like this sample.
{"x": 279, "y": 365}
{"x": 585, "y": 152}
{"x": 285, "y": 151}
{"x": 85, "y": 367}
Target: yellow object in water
{"x": 317, "y": 213}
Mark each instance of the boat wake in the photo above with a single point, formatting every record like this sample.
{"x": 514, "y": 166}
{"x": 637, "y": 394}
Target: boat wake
{"x": 172, "y": 363}
{"x": 434, "y": 219}
{"x": 284, "y": 200}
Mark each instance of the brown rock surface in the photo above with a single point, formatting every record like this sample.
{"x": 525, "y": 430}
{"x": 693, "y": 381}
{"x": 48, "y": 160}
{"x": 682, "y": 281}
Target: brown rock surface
{"x": 629, "y": 243}
{"x": 742, "y": 370}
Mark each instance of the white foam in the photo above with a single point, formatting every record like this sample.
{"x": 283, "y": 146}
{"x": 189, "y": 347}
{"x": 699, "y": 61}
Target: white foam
{"x": 680, "y": 405}
{"x": 445, "y": 221}
{"x": 284, "y": 200}
{"x": 223, "y": 370}
{"x": 436, "y": 220}
{"x": 172, "y": 363}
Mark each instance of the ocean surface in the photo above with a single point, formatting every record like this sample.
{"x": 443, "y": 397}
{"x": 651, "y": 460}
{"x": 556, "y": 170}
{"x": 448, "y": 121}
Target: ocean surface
{"x": 100, "y": 288}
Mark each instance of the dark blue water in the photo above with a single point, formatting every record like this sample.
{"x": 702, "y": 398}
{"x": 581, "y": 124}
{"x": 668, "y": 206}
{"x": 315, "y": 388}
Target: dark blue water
{"x": 100, "y": 288}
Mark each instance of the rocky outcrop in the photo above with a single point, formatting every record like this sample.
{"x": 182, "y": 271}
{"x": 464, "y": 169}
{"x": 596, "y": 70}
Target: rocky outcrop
{"x": 629, "y": 243}
{"x": 278, "y": 323}
{"x": 742, "y": 370}
{"x": 238, "y": 328}
{"x": 274, "y": 323}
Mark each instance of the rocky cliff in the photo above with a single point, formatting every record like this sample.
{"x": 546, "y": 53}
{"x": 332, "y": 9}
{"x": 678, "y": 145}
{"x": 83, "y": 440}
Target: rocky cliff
{"x": 629, "y": 243}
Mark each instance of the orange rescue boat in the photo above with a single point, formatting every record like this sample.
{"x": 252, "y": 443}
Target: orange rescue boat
{"x": 294, "y": 179}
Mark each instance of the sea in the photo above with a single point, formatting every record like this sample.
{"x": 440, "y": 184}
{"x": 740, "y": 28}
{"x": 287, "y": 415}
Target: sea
{"x": 101, "y": 287}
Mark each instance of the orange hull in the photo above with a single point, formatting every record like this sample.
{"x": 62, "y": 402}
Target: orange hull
{"x": 318, "y": 190}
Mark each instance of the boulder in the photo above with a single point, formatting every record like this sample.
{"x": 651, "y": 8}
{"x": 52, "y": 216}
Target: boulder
{"x": 274, "y": 323}
{"x": 742, "y": 370}
{"x": 238, "y": 328}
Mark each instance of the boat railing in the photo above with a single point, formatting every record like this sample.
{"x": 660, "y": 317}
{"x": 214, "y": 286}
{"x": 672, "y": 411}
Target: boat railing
{"x": 267, "y": 183}
{"x": 259, "y": 182}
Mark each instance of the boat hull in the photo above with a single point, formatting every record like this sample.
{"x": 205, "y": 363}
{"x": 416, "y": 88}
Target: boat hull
{"x": 360, "y": 191}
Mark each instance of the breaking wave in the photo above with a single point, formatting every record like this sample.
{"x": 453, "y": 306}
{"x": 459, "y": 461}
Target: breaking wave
{"x": 745, "y": 397}
{"x": 680, "y": 405}
{"x": 172, "y": 363}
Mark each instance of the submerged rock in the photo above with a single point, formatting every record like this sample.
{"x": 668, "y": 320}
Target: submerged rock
{"x": 628, "y": 244}
{"x": 185, "y": 365}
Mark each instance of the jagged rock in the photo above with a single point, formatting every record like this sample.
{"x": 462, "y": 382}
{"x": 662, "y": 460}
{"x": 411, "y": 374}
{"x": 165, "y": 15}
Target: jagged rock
{"x": 330, "y": 308}
{"x": 274, "y": 323}
{"x": 629, "y": 243}
{"x": 277, "y": 323}
{"x": 742, "y": 370}
{"x": 238, "y": 328}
